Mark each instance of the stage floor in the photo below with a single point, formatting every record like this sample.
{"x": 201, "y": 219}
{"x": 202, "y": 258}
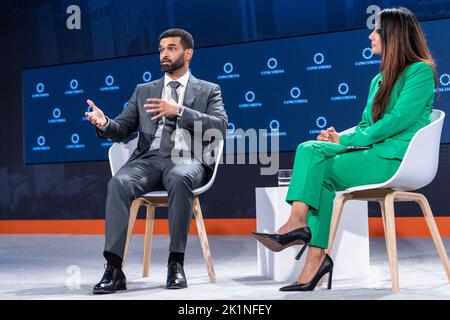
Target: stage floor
{"x": 46, "y": 267}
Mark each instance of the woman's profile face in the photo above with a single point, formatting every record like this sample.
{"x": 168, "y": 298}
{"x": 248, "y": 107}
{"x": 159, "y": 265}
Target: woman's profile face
{"x": 375, "y": 41}
{"x": 375, "y": 37}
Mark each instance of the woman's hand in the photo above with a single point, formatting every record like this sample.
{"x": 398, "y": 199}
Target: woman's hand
{"x": 329, "y": 135}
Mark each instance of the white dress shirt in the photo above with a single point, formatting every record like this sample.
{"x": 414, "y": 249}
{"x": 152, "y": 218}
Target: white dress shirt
{"x": 180, "y": 139}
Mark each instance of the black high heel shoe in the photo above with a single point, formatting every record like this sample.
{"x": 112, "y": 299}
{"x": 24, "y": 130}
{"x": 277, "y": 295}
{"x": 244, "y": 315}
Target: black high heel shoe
{"x": 325, "y": 267}
{"x": 278, "y": 242}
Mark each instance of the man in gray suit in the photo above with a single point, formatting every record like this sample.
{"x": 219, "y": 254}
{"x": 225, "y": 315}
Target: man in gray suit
{"x": 174, "y": 106}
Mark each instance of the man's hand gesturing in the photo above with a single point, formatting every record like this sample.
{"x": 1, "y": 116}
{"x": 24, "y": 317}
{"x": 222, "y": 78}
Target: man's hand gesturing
{"x": 96, "y": 116}
{"x": 164, "y": 108}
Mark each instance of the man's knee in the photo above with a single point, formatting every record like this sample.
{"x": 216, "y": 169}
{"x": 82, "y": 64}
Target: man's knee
{"x": 178, "y": 180}
{"x": 117, "y": 184}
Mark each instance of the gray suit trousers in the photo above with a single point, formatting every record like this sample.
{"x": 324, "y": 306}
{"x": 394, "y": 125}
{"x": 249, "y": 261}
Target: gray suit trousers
{"x": 151, "y": 172}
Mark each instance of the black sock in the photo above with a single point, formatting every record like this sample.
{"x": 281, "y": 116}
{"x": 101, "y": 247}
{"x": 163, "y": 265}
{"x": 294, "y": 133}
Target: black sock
{"x": 113, "y": 259}
{"x": 177, "y": 257}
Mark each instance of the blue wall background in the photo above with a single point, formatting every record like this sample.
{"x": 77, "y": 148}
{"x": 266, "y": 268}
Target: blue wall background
{"x": 34, "y": 34}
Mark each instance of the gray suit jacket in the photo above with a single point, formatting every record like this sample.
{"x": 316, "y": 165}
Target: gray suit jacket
{"x": 202, "y": 101}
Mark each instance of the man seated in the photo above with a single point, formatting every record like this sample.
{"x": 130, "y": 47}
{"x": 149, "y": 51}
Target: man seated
{"x": 174, "y": 105}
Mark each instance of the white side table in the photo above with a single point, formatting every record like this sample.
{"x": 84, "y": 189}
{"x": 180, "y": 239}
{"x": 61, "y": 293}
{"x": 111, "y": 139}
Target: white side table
{"x": 350, "y": 251}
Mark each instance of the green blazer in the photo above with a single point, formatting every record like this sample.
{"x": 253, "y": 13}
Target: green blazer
{"x": 408, "y": 111}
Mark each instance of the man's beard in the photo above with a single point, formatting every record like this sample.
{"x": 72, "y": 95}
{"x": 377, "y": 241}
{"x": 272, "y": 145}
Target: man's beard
{"x": 173, "y": 66}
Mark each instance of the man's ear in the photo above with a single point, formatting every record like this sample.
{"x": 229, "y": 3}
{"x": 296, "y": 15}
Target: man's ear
{"x": 188, "y": 53}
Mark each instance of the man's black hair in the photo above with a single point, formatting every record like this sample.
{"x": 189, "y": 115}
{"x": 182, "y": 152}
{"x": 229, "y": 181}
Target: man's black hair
{"x": 186, "y": 38}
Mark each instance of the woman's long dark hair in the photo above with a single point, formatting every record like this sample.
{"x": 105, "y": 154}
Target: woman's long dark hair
{"x": 403, "y": 43}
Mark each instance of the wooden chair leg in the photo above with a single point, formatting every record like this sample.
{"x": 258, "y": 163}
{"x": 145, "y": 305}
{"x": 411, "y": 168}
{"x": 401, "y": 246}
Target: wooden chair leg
{"x": 383, "y": 219}
{"x": 132, "y": 219}
{"x": 335, "y": 218}
{"x": 425, "y": 207}
{"x": 383, "y": 215}
{"x": 148, "y": 239}
{"x": 204, "y": 240}
{"x": 391, "y": 240}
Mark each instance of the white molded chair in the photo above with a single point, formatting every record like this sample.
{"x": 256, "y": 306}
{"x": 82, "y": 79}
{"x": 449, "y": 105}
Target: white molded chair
{"x": 418, "y": 169}
{"x": 119, "y": 153}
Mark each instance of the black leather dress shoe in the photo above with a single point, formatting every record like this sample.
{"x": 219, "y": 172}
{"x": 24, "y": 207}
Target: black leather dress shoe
{"x": 113, "y": 280}
{"x": 278, "y": 242}
{"x": 176, "y": 279}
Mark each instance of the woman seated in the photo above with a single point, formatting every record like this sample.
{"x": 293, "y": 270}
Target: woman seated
{"x": 399, "y": 104}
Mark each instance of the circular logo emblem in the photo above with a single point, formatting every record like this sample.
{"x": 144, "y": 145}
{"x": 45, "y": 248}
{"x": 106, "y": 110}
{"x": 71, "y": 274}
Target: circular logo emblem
{"x": 75, "y": 138}
{"x": 274, "y": 125}
{"x": 56, "y": 113}
{"x": 250, "y": 96}
{"x": 73, "y": 84}
{"x": 272, "y": 63}
{"x": 319, "y": 58}
{"x": 147, "y": 76}
{"x": 41, "y": 140}
{"x": 321, "y": 122}
{"x": 444, "y": 79}
{"x": 231, "y": 128}
{"x": 295, "y": 92}
{"x": 228, "y": 67}
{"x": 343, "y": 88}
{"x": 367, "y": 53}
{"x": 40, "y": 87}
{"x": 109, "y": 80}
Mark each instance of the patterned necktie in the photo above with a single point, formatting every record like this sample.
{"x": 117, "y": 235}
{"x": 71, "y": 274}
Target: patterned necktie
{"x": 170, "y": 123}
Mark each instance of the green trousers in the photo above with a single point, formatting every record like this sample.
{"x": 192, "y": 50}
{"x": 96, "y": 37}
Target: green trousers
{"x": 319, "y": 171}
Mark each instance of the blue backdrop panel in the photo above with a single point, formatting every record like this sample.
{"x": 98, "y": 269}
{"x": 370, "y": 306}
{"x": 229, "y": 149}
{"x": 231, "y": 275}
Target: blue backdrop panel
{"x": 290, "y": 87}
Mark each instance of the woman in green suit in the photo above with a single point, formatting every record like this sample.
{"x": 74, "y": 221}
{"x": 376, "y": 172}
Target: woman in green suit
{"x": 399, "y": 104}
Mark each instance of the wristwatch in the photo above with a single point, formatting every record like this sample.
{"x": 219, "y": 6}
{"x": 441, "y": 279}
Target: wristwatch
{"x": 180, "y": 111}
